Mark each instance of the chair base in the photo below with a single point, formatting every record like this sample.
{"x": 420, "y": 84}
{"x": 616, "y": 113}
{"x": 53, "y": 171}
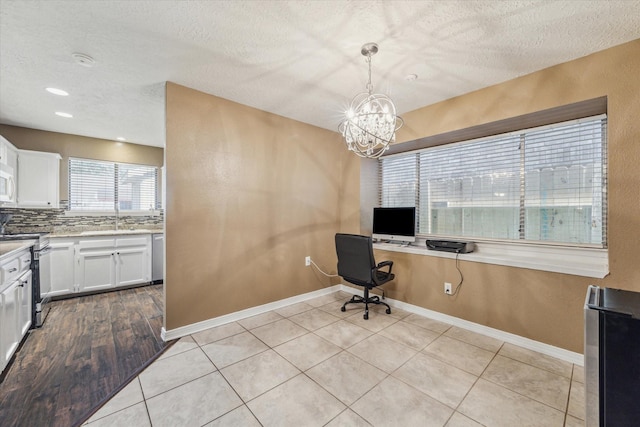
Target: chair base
{"x": 366, "y": 300}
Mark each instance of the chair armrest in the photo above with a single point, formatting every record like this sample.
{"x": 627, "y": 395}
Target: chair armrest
{"x": 385, "y": 264}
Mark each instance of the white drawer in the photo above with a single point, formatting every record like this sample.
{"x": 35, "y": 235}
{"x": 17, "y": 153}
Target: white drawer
{"x": 10, "y": 270}
{"x": 93, "y": 243}
{"x": 25, "y": 261}
{"x": 132, "y": 241}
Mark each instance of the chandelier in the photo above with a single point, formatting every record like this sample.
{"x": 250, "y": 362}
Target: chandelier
{"x": 371, "y": 121}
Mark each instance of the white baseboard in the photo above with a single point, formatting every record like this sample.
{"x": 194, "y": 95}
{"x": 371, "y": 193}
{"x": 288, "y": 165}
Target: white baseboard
{"x": 557, "y": 352}
{"x": 183, "y": 331}
{"x": 549, "y": 350}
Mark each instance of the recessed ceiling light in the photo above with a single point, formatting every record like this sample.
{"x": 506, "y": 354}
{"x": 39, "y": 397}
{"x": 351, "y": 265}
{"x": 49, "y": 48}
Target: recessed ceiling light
{"x": 121, "y": 138}
{"x": 56, "y": 91}
{"x": 61, "y": 114}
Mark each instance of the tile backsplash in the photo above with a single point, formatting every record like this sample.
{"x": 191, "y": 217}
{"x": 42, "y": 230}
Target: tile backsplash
{"x": 56, "y": 221}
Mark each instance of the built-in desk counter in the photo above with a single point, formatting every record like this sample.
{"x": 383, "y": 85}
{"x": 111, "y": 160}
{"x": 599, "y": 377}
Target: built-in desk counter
{"x": 581, "y": 261}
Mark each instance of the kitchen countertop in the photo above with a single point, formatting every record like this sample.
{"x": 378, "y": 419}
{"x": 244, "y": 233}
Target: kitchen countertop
{"x": 7, "y": 249}
{"x": 94, "y": 233}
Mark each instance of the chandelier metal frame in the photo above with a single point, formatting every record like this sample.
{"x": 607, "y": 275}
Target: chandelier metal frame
{"x": 371, "y": 122}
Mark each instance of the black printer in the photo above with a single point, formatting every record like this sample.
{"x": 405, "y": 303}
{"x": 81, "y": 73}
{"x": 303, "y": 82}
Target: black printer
{"x": 451, "y": 246}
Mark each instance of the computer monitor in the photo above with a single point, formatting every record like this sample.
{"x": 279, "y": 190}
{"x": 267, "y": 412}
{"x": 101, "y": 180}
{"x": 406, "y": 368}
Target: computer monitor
{"x": 397, "y": 224}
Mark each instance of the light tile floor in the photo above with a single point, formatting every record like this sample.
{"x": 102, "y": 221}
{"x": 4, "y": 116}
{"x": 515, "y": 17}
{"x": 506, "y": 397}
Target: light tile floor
{"x": 309, "y": 364}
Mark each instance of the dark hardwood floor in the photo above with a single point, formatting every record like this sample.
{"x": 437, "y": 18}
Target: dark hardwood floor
{"x": 88, "y": 347}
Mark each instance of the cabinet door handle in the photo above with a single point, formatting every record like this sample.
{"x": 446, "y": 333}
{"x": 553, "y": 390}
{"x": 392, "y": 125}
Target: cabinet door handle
{"x": 13, "y": 270}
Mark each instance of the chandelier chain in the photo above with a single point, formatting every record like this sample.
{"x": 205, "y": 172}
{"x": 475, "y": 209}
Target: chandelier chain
{"x": 369, "y": 84}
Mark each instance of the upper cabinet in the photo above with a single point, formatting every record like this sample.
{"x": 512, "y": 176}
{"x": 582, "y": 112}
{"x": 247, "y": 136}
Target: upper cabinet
{"x": 38, "y": 179}
{"x": 3, "y": 151}
{"x": 8, "y": 172}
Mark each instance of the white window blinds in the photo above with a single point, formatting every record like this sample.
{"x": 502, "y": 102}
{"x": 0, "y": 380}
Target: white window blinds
{"x": 104, "y": 186}
{"x": 545, "y": 184}
{"x": 137, "y": 187}
{"x": 91, "y": 185}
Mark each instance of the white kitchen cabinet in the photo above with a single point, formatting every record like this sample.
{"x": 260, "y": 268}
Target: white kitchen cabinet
{"x": 4, "y": 145}
{"x": 11, "y": 154}
{"x": 61, "y": 267}
{"x": 133, "y": 258}
{"x": 9, "y": 299}
{"x": 38, "y": 179}
{"x": 119, "y": 261}
{"x": 15, "y": 303}
{"x": 84, "y": 264}
{"x": 9, "y": 157}
{"x": 95, "y": 265}
{"x": 3, "y": 151}
{"x": 25, "y": 289}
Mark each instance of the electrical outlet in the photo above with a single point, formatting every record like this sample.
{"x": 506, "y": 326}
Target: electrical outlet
{"x": 447, "y": 288}
{"x": 307, "y": 261}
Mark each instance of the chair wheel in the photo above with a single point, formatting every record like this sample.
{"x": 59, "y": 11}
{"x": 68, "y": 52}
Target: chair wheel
{"x": 388, "y": 311}
{"x": 366, "y": 316}
{"x": 343, "y": 309}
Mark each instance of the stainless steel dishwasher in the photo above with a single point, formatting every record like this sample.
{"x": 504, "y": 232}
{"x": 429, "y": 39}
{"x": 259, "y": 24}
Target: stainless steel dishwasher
{"x": 157, "y": 258}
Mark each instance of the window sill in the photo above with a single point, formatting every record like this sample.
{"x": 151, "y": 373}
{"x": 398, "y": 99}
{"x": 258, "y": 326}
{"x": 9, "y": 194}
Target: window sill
{"x": 112, "y": 213}
{"x": 587, "y": 262}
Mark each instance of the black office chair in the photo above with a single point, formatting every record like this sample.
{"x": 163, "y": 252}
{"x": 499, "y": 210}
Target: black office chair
{"x": 357, "y": 265}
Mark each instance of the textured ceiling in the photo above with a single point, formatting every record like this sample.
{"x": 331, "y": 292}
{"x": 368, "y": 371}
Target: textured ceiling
{"x": 299, "y": 59}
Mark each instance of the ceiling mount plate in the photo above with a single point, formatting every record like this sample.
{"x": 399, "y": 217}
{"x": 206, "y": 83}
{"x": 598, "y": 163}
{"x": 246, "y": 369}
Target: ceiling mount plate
{"x": 82, "y": 59}
{"x": 369, "y": 49}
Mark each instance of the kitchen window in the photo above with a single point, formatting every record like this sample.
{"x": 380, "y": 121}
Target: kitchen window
{"x": 534, "y": 198}
{"x": 100, "y": 186}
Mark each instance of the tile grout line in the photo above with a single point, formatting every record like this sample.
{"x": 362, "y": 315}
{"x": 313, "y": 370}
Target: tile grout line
{"x": 474, "y": 384}
{"x": 346, "y": 350}
{"x": 517, "y": 392}
{"x": 231, "y": 386}
{"x": 244, "y": 403}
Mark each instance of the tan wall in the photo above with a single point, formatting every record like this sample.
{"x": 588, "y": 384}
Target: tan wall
{"x": 543, "y": 306}
{"x": 80, "y": 146}
{"x": 249, "y": 195}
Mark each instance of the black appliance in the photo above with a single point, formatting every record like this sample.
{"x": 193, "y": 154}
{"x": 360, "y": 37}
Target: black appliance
{"x": 451, "y": 246}
{"x": 40, "y": 253}
{"x": 612, "y": 357}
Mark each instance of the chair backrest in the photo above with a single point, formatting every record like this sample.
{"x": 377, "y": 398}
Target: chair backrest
{"x": 355, "y": 258}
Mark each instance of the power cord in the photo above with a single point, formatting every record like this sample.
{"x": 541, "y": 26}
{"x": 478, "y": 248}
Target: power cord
{"x": 460, "y": 272}
{"x": 320, "y": 270}
{"x": 337, "y": 275}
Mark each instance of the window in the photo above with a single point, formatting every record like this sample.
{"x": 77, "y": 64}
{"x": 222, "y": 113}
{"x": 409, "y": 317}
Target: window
{"x": 545, "y": 184}
{"x": 106, "y": 186}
